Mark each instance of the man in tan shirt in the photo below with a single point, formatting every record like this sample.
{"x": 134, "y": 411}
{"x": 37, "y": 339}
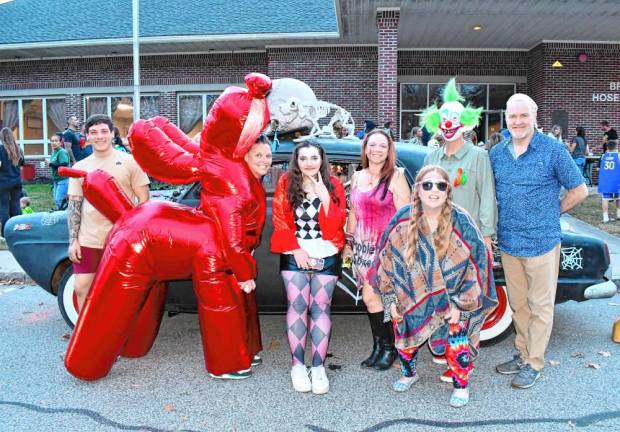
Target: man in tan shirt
{"x": 88, "y": 228}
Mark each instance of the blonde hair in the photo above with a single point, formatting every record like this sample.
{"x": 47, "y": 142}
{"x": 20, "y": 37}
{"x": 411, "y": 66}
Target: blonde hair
{"x": 416, "y": 224}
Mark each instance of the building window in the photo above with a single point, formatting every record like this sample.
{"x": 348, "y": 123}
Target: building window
{"x": 193, "y": 109}
{"x": 120, "y": 109}
{"x": 33, "y": 121}
{"x": 415, "y": 97}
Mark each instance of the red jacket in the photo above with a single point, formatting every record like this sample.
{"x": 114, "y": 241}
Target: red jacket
{"x": 332, "y": 224}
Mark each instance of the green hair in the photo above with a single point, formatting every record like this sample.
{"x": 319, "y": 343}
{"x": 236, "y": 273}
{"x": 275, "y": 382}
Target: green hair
{"x": 430, "y": 118}
{"x": 450, "y": 92}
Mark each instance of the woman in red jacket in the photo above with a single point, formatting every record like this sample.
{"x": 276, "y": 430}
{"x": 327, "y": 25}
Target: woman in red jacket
{"x": 308, "y": 231}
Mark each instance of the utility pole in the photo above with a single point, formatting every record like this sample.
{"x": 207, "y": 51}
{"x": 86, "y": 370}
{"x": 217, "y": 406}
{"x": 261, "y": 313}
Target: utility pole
{"x": 135, "y": 5}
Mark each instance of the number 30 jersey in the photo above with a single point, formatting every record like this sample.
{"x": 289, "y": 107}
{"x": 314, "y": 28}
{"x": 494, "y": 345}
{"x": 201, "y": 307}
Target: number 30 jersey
{"x": 609, "y": 173}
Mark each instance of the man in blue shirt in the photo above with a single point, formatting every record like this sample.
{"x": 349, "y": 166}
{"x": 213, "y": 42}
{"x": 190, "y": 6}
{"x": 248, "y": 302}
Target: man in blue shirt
{"x": 529, "y": 170}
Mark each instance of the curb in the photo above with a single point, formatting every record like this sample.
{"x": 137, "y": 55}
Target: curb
{"x": 15, "y": 278}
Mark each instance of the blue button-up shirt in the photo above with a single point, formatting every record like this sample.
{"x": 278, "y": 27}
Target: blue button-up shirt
{"x": 528, "y": 194}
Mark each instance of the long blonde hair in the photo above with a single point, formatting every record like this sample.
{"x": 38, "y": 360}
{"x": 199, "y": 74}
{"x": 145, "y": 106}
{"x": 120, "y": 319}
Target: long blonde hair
{"x": 14, "y": 151}
{"x": 444, "y": 227}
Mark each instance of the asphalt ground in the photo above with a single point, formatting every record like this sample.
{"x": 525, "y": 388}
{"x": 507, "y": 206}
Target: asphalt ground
{"x": 168, "y": 390}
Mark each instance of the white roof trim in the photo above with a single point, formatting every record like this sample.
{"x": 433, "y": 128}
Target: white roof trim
{"x": 173, "y": 39}
{"x": 574, "y": 42}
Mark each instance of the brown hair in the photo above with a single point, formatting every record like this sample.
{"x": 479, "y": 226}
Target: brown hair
{"x": 444, "y": 228}
{"x": 389, "y": 166}
{"x": 16, "y": 155}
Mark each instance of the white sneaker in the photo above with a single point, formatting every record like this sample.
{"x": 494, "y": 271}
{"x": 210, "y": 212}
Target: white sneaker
{"x": 299, "y": 376}
{"x": 320, "y": 383}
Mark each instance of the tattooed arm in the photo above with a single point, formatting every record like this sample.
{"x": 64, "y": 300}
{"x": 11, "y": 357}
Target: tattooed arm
{"x": 74, "y": 218}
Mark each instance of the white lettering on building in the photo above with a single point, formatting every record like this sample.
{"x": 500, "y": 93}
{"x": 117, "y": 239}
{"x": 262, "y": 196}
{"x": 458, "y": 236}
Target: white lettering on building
{"x": 608, "y": 97}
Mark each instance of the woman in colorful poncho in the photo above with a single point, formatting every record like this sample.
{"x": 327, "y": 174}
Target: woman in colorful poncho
{"x": 433, "y": 267}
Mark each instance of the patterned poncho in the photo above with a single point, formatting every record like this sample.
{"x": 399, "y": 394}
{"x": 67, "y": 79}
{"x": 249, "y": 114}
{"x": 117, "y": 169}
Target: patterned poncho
{"x": 423, "y": 294}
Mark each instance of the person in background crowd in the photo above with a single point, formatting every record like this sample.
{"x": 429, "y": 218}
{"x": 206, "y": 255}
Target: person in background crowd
{"x": 87, "y": 149}
{"x": 368, "y": 126}
{"x": 433, "y": 268}
{"x": 387, "y": 127}
{"x": 609, "y": 133}
{"x": 556, "y": 133}
{"x": 530, "y": 168}
{"x": 416, "y": 136}
{"x": 609, "y": 180}
{"x": 71, "y": 139}
{"x": 377, "y": 191}
{"x": 88, "y": 228}
{"x": 340, "y": 131}
{"x": 471, "y": 136}
{"x": 494, "y": 139}
{"x": 117, "y": 141}
{"x": 11, "y": 160}
{"x": 437, "y": 141}
{"x": 309, "y": 212}
{"x": 24, "y": 203}
{"x": 60, "y": 184}
{"x": 578, "y": 148}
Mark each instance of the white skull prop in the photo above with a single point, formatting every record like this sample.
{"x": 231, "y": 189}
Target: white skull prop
{"x": 287, "y": 103}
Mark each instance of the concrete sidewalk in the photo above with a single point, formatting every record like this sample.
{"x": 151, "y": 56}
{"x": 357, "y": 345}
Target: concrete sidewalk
{"x": 11, "y": 271}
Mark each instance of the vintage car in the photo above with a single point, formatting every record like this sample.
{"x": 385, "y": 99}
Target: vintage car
{"x": 39, "y": 244}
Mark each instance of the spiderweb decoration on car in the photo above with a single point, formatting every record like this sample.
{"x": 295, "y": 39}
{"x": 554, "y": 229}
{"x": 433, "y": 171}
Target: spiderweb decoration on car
{"x": 571, "y": 258}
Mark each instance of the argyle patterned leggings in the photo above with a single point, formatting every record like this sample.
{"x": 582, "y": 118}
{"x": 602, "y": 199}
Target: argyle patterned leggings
{"x": 457, "y": 355}
{"x": 308, "y": 292}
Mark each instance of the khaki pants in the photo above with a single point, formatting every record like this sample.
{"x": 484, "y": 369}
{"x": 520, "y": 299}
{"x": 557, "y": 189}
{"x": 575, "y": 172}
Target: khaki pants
{"x": 531, "y": 284}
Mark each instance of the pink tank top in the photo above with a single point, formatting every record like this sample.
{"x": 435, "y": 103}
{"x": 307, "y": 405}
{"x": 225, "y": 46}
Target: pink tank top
{"x": 373, "y": 211}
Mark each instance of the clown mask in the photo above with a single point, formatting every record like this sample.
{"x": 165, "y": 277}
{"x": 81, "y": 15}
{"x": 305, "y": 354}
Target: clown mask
{"x": 452, "y": 119}
{"x": 451, "y": 126}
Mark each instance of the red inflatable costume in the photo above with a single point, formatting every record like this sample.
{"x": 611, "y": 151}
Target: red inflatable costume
{"x": 159, "y": 241}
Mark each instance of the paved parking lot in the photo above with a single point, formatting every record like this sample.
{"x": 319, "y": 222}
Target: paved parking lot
{"x": 169, "y": 390}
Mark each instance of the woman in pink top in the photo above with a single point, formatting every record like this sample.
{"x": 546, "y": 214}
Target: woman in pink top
{"x": 377, "y": 191}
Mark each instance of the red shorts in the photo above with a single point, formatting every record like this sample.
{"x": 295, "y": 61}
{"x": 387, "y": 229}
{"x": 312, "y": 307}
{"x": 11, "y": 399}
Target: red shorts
{"x": 89, "y": 262}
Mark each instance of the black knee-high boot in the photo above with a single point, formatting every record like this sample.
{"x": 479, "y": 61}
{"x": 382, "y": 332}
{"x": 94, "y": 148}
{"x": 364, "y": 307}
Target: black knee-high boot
{"x": 388, "y": 352}
{"x": 376, "y": 324}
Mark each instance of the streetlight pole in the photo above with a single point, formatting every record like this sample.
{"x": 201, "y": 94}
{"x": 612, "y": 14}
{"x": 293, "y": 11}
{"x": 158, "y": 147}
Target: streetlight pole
{"x": 135, "y": 6}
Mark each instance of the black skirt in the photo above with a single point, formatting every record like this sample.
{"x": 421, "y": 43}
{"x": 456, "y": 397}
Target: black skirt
{"x": 331, "y": 266}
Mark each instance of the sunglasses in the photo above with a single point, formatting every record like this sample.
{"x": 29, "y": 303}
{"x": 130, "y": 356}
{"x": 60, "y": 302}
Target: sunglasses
{"x": 442, "y": 186}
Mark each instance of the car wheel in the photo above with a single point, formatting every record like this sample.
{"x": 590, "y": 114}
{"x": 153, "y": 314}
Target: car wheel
{"x": 67, "y": 300}
{"x": 498, "y": 326}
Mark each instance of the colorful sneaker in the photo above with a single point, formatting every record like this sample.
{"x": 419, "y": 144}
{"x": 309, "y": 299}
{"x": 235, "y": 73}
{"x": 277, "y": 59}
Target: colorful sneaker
{"x": 404, "y": 383}
{"x": 440, "y": 359}
{"x": 300, "y": 379}
{"x": 510, "y": 367}
{"x": 459, "y": 397}
{"x": 256, "y": 361}
{"x": 320, "y": 383}
{"x": 526, "y": 377}
{"x": 238, "y": 375}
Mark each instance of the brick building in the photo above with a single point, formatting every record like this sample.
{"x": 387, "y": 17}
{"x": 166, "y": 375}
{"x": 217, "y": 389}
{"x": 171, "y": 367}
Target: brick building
{"x": 381, "y": 60}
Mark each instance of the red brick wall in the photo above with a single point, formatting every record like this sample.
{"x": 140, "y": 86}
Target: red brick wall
{"x": 570, "y": 88}
{"x": 452, "y": 63}
{"x": 349, "y": 76}
{"x": 387, "y": 78}
{"x": 117, "y": 71}
{"x": 345, "y": 76}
